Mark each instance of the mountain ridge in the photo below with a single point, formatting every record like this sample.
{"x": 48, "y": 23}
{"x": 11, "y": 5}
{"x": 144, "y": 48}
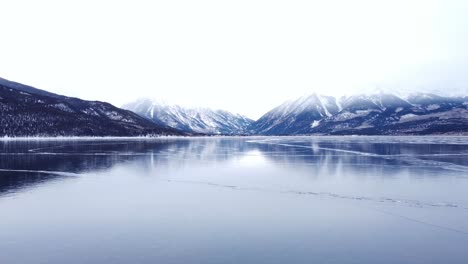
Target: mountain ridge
{"x": 28, "y": 111}
{"x": 367, "y": 114}
{"x": 191, "y": 119}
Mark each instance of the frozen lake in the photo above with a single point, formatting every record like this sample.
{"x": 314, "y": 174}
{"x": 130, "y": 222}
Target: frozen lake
{"x": 235, "y": 200}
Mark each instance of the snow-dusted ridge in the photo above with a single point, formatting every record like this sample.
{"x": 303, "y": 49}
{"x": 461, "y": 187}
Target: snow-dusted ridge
{"x": 190, "y": 119}
{"x": 27, "y": 111}
{"x": 366, "y": 114}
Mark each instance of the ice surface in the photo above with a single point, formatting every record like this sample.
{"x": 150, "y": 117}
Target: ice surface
{"x": 234, "y": 199}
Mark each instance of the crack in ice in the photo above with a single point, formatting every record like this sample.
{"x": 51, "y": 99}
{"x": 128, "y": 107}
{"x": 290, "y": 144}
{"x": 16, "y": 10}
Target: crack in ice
{"x": 60, "y": 173}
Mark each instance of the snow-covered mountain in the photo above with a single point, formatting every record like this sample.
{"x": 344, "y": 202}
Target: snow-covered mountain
{"x": 294, "y": 115}
{"x": 27, "y": 111}
{"x": 375, "y": 114}
{"x": 199, "y": 120}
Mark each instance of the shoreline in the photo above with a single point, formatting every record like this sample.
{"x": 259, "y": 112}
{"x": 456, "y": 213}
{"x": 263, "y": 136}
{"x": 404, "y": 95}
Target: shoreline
{"x": 91, "y": 138}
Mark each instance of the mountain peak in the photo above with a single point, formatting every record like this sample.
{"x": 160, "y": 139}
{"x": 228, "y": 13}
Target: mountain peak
{"x": 191, "y": 119}
{"x": 377, "y": 113}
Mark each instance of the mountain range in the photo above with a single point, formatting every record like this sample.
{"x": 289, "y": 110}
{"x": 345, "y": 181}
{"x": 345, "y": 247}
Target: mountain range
{"x": 196, "y": 120}
{"x": 376, "y": 114}
{"x": 28, "y": 111}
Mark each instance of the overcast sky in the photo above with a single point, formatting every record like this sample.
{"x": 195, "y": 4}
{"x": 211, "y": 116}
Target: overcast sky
{"x": 242, "y": 56}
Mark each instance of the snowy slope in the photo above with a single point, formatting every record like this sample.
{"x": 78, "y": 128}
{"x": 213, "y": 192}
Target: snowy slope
{"x": 375, "y": 114}
{"x": 295, "y": 115}
{"x": 200, "y": 120}
{"x": 27, "y": 111}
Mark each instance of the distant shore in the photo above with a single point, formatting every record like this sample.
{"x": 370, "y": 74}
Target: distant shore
{"x": 68, "y": 138}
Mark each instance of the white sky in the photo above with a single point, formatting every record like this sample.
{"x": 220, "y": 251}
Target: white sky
{"x": 242, "y": 56}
